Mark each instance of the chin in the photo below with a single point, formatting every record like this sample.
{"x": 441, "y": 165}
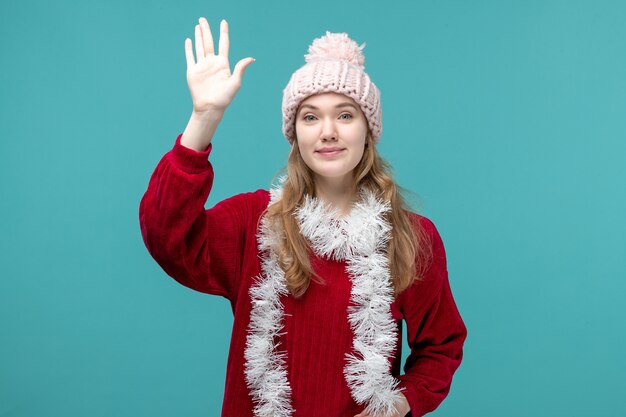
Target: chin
{"x": 331, "y": 174}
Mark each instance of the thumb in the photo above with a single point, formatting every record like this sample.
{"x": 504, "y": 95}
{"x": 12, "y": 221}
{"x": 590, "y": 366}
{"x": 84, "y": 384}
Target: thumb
{"x": 241, "y": 66}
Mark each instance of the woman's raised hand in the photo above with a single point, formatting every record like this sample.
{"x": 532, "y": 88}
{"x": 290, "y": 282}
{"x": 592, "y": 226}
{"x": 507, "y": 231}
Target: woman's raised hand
{"x": 211, "y": 84}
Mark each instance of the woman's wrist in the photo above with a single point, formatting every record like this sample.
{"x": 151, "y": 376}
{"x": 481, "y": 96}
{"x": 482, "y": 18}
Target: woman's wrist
{"x": 200, "y": 129}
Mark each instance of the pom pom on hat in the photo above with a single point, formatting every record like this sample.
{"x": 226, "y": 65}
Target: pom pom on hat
{"x": 336, "y": 46}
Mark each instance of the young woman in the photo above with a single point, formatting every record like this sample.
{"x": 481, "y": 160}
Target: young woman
{"x": 322, "y": 268}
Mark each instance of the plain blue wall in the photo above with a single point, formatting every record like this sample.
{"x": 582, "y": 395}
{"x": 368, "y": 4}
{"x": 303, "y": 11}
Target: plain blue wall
{"x": 507, "y": 119}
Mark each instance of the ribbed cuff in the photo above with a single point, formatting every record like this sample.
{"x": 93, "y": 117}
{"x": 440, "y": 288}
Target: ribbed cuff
{"x": 190, "y": 160}
{"x": 412, "y": 397}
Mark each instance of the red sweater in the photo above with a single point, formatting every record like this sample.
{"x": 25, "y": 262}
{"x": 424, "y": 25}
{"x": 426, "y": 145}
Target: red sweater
{"x": 215, "y": 251}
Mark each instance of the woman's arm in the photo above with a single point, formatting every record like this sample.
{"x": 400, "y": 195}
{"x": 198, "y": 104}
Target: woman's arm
{"x": 435, "y": 332}
{"x": 200, "y": 248}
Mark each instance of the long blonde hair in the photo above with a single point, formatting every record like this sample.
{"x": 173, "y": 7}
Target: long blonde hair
{"x": 408, "y": 251}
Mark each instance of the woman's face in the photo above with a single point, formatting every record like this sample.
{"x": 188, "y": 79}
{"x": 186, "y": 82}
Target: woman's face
{"x": 331, "y": 134}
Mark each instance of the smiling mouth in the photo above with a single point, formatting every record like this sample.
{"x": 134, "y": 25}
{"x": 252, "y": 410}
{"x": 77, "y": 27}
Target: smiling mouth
{"x": 330, "y": 152}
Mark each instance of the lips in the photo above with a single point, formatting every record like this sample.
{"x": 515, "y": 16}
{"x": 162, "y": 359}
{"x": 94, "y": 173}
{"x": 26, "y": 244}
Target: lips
{"x": 330, "y": 150}
{"x": 330, "y": 154}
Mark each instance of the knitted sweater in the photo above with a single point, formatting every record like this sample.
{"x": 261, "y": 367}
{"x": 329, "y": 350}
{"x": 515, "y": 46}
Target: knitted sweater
{"x": 215, "y": 251}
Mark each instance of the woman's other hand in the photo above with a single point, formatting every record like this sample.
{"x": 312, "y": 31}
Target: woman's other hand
{"x": 402, "y": 406}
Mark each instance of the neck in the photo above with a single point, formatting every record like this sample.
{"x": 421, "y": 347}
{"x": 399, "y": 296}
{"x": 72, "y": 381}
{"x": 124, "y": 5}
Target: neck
{"x": 339, "y": 193}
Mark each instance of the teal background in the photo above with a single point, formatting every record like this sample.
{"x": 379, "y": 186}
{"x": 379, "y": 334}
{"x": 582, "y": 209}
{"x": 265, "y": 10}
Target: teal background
{"x": 506, "y": 119}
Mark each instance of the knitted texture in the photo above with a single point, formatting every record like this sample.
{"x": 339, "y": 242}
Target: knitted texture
{"x": 334, "y": 63}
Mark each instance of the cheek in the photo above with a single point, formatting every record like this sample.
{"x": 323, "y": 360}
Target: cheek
{"x": 305, "y": 150}
{"x": 303, "y": 134}
{"x": 359, "y": 155}
{"x": 300, "y": 126}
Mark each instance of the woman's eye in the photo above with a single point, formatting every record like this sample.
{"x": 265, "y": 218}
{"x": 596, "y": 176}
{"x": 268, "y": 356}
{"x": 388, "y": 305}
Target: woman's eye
{"x": 308, "y": 117}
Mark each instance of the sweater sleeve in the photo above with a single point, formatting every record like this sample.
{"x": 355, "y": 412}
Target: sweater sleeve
{"x": 435, "y": 332}
{"x": 199, "y": 248}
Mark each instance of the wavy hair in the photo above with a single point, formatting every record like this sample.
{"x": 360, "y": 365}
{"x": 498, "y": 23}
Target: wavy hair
{"x": 408, "y": 249}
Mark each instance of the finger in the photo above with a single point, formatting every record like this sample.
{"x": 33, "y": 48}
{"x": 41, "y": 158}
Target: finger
{"x": 224, "y": 43}
{"x": 189, "y": 53}
{"x": 207, "y": 37}
{"x": 199, "y": 45}
{"x": 241, "y": 66}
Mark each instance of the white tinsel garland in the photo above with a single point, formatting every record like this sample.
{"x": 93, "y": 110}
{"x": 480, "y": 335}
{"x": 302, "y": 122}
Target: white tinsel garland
{"x": 360, "y": 238}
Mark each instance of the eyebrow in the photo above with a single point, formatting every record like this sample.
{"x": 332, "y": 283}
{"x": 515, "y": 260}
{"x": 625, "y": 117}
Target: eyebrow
{"x": 344, "y": 104}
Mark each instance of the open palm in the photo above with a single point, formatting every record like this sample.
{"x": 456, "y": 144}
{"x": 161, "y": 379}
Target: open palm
{"x": 211, "y": 83}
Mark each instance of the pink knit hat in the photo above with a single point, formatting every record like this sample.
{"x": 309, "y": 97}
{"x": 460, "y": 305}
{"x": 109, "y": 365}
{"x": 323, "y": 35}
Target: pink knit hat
{"x": 335, "y": 63}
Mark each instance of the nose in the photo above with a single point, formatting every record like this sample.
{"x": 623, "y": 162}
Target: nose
{"x": 329, "y": 131}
